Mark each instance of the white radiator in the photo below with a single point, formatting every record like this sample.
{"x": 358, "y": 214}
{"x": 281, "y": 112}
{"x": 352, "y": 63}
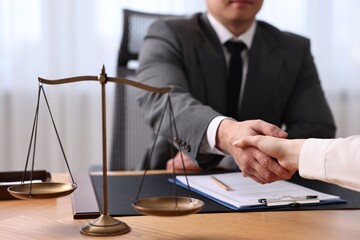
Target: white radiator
{"x": 346, "y": 110}
{"x": 77, "y": 114}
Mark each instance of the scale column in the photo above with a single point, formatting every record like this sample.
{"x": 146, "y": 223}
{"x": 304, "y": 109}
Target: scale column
{"x": 104, "y": 225}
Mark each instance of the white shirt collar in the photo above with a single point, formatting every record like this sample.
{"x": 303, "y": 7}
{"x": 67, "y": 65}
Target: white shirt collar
{"x": 224, "y": 34}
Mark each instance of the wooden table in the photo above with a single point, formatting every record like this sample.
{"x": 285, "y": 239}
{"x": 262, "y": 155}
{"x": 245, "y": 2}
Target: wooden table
{"x": 52, "y": 219}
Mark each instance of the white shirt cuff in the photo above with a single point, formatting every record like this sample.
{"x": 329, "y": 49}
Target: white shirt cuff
{"x": 312, "y": 159}
{"x": 208, "y": 144}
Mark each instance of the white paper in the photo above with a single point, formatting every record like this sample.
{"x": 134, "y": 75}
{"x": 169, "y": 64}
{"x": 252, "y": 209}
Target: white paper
{"x": 245, "y": 192}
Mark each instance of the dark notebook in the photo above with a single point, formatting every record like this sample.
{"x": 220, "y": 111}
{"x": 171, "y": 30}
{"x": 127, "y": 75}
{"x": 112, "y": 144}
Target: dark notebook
{"x": 122, "y": 191}
{"x": 11, "y": 178}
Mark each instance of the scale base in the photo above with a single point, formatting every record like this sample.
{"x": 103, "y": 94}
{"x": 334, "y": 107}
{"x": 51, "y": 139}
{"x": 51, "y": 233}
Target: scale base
{"x": 105, "y": 225}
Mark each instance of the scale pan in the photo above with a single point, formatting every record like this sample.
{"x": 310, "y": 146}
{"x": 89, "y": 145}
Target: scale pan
{"x": 168, "y": 206}
{"x": 41, "y": 190}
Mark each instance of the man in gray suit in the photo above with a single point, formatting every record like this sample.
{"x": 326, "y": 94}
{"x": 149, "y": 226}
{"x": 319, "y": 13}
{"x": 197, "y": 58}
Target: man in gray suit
{"x": 279, "y": 85}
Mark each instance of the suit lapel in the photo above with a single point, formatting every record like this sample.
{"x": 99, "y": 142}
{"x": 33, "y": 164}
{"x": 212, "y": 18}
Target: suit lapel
{"x": 265, "y": 62}
{"x": 212, "y": 64}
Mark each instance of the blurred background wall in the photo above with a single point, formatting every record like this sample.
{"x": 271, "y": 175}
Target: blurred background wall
{"x": 63, "y": 38}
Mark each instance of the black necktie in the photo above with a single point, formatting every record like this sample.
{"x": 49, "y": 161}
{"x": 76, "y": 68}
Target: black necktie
{"x": 235, "y": 76}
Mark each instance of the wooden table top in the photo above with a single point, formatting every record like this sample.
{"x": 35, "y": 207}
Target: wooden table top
{"x": 53, "y": 219}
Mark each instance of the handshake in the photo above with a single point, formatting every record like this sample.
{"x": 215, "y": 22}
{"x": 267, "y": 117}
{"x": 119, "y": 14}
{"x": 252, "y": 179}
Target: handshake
{"x": 260, "y": 150}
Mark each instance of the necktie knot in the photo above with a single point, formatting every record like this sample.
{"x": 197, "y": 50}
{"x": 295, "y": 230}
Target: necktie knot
{"x": 235, "y": 48}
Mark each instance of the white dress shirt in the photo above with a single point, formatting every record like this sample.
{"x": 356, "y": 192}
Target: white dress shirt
{"x": 208, "y": 144}
{"x": 332, "y": 160}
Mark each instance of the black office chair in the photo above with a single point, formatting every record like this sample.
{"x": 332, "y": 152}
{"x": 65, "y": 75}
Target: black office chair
{"x": 130, "y": 134}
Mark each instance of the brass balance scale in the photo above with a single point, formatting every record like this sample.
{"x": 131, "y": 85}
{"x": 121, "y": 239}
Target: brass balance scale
{"x": 105, "y": 224}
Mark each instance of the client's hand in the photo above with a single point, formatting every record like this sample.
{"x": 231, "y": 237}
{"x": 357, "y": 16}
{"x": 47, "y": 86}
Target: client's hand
{"x": 176, "y": 163}
{"x": 284, "y": 150}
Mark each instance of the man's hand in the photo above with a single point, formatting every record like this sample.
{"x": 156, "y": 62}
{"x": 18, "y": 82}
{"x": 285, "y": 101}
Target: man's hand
{"x": 177, "y": 163}
{"x": 252, "y": 162}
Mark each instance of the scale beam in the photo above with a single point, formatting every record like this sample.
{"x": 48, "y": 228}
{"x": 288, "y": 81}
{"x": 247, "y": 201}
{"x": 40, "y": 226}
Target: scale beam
{"x": 103, "y": 78}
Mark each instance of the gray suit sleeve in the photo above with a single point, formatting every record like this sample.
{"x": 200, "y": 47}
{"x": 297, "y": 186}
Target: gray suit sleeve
{"x": 162, "y": 64}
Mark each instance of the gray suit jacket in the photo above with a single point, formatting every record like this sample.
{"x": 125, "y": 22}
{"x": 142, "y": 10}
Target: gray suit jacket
{"x": 282, "y": 85}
